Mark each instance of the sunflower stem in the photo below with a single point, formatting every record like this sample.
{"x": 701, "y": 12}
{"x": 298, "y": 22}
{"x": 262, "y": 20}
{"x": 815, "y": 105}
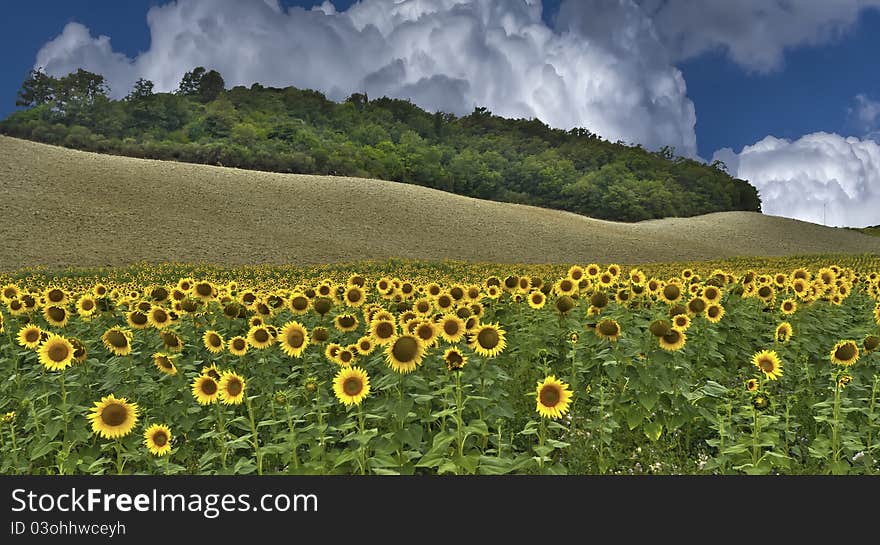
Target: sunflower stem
{"x": 835, "y": 427}
{"x": 256, "y": 438}
{"x": 362, "y": 447}
{"x": 294, "y": 459}
{"x": 871, "y": 406}
{"x": 542, "y": 435}
{"x": 221, "y": 435}
{"x": 63, "y": 409}
{"x": 120, "y": 462}
{"x": 756, "y": 430}
{"x": 459, "y": 426}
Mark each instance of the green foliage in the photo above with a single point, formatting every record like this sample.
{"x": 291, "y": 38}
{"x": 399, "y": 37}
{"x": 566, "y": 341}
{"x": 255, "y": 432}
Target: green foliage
{"x": 294, "y": 130}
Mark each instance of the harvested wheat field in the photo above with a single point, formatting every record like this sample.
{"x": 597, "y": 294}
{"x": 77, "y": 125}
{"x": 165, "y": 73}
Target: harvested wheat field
{"x": 70, "y": 208}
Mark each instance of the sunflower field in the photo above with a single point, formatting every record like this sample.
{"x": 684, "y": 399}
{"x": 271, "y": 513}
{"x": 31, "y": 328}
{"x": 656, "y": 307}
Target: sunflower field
{"x": 747, "y": 366}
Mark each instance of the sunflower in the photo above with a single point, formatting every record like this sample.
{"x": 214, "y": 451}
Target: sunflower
{"x": 552, "y": 397}
{"x": 452, "y": 328}
{"x": 79, "y": 349}
{"x": 404, "y": 353}
{"x": 714, "y": 312}
{"x": 56, "y": 354}
{"x": 455, "y": 360}
{"x": 365, "y": 345}
{"x": 213, "y": 341}
{"x": 9, "y": 292}
{"x": 769, "y": 363}
{"x": 113, "y": 418}
{"x": 536, "y": 299}
{"x": 165, "y": 363}
{"x": 211, "y": 371}
{"x": 232, "y": 388}
{"x": 383, "y": 331}
{"x": 171, "y": 341}
{"x": 86, "y": 306}
{"x": 351, "y": 385}
{"x": 157, "y": 439}
{"x": 204, "y": 290}
{"x": 660, "y": 328}
{"x": 294, "y": 339}
{"x": 608, "y": 329}
{"x": 137, "y": 319}
{"x": 783, "y": 332}
{"x": 845, "y": 353}
{"x": 55, "y": 296}
{"x": 159, "y": 318}
{"x": 423, "y": 306}
{"x": 681, "y": 322}
{"x": 671, "y": 293}
{"x": 488, "y": 340}
{"x": 788, "y": 307}
{"x": 205, "y": 389}
{"x": 30, "y": 336}
{"x": 117, "y": 340}
{"x": 259, "y": 337}
{"x": 320, "y": 335}
{"x": 331, "y": 352}
{"x": 564, "y": 304}
{"x": 673, "y": 341}
{"x": 712, "y": 294}
{"x": 354, "y": 296}
{"x": 299, "y": 303}
{"x": 57, "y": 316}
{"x": 346, "y": 355}
{"x": 346, "y": 322}
{"x": 427, "y": 332}
{"x": 871, "y": 343}
{"x": 752, "y": 385}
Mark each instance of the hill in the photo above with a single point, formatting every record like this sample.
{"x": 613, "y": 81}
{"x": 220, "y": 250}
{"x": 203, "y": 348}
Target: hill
{"x": 301, "y": 131}
{"x": 62, "y": 207}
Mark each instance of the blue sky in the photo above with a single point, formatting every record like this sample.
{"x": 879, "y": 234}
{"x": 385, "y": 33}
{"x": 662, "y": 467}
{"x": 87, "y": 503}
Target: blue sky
{"x": 737, "y": 103}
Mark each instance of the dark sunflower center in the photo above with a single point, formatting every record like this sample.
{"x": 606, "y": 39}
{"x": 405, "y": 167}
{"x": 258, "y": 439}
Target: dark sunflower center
{"x": 234, "y": 387}
{"x": 566, "y": 285}
{"x": 160, "y": 316}
{"x": 321, "y": 334}
{"x": 138, "y": 318}
{"x": 159, "y": 438}
{"x": 203, "y": 289}
{"x": 352, "y": 386}
{"x": 671, "y": 292}
{"x": 354, "y": 296}
{"x": 365, "y": 345}
{"x": 871, "y": 343}
{"x": 488, "y": 338}
{"x": 300, "y": 303}
{"x": 57, "y": 314}
{"x": 609, "y": 328}
{"x": 714, "y": 311}
{"x": 384, "y": 330}
{"x": 672, "y": 337}
{"x": 845, "y": 352}
{"x": 599, "y": 299}
{"x": 346, "y": 321}
{"x": 345, "y": 356}
{"x": 425, "y": 332}
{"x": 765, "y": 291}
{"x": 537, "y": 298}
{"x": 214, "y": 340}
{"x": 451, "y": 327}
{"x": 564, "y": 304}
{"x": 295, "y": 338}
{"x": 322, "y": 306}
{"x": 454, "y": 359}
{"x": 58, "y": 352}
{"x": 444, "y": 301}
{"x": 56, "y": 295}
{"x": 208, "y": 387}
{"x": 114, "y": 414}
{"x": 405, "y": 349}
{"x": 88, "y": 304}
{"x": 659, "y": 328}
{"x": 550, "y": 395}
{"x": 766, "y": 364}
{"x": 32, "y": 335}
{"x": 117, "y": 339}
{"x": 261, "y": 335}
{"x": 165, "y": 363}
{"x": 423, "y": 306}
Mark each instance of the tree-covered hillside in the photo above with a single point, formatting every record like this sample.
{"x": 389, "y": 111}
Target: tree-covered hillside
{"x": 294, "y": 130}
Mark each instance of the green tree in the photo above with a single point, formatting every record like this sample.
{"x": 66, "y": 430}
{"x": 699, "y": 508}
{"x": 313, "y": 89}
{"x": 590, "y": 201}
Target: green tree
{"x": 38, "y": 88}
{"x": 143, "y": 88}
{"x": 210, "y": 86}
{"x": 189, "y": 84}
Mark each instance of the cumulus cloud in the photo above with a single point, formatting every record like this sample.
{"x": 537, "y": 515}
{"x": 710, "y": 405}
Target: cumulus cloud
{"x": 754, "y": 33}
{"x": 450, "y": 55}
{"x": 820, "y": 177}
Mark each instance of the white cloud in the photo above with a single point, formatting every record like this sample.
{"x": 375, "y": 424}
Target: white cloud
{"x": 819, "y": 177}
{"x": 866, "y": 114}
{"x": 754, "y": 33}
{"x": 442, "y": 54}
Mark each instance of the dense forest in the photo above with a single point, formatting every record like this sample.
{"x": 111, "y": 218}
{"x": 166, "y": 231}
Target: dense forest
{"x": 294, "y": 130}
